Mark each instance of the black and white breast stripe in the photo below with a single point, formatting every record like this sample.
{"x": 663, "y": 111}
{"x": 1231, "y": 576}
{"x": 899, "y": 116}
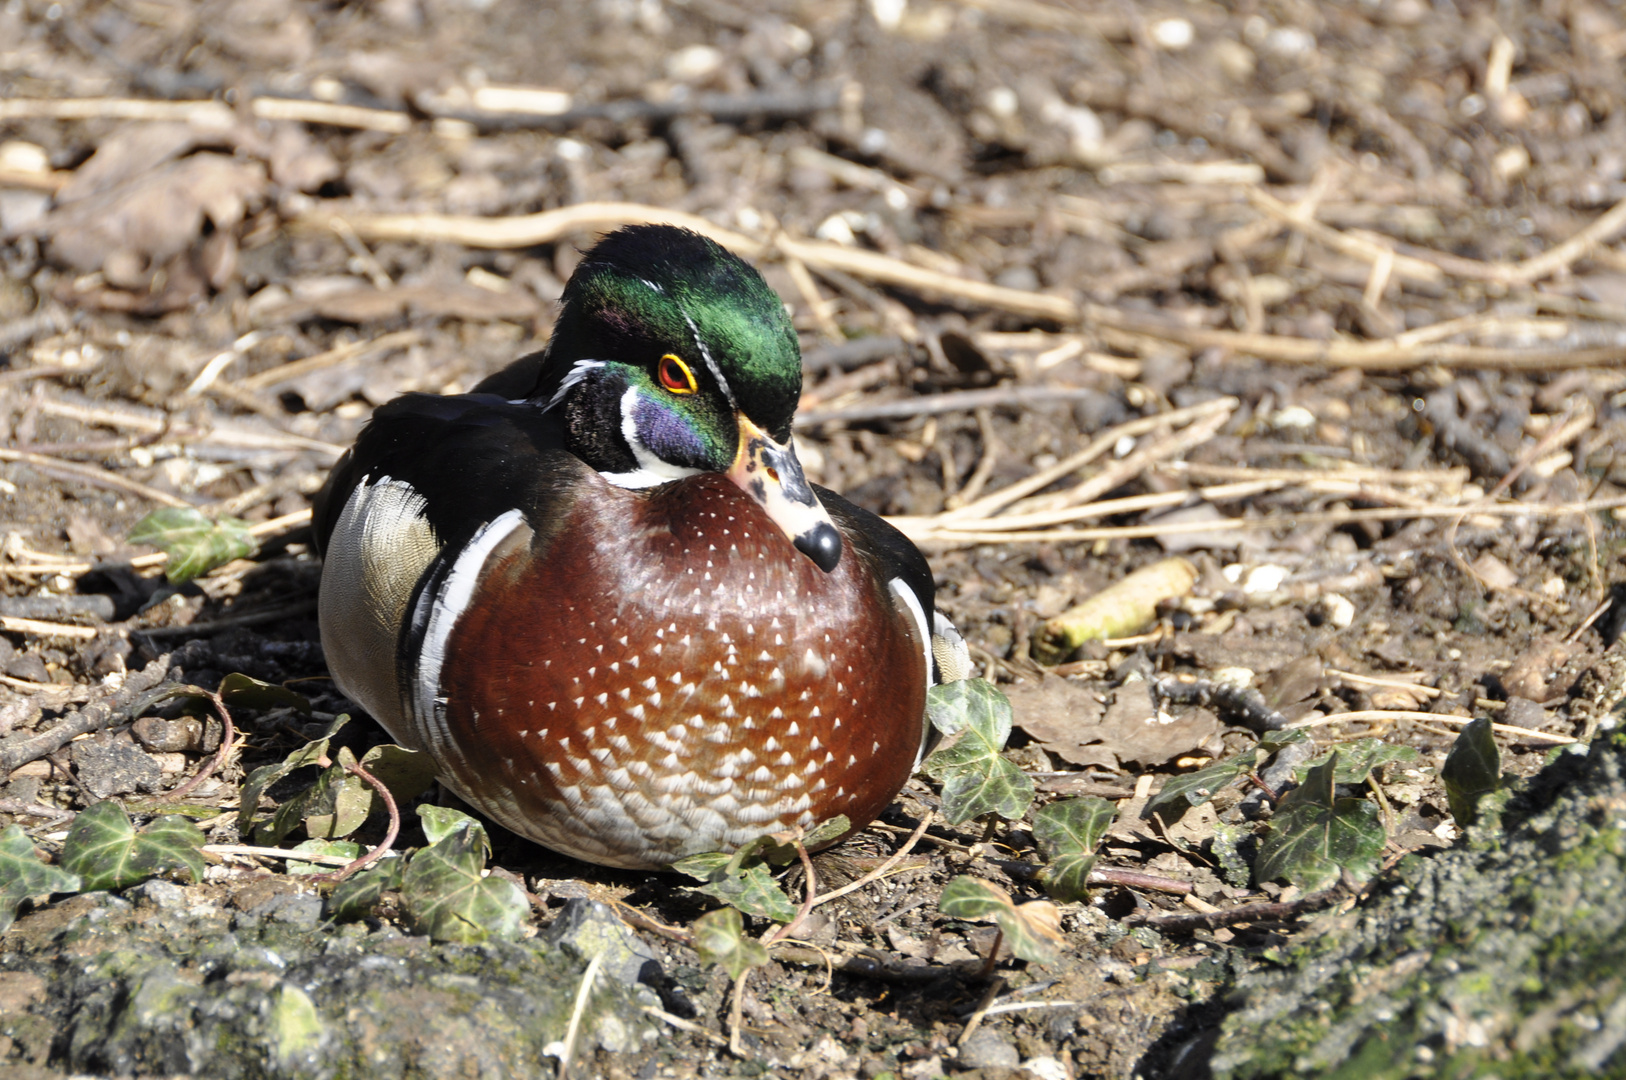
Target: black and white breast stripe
{"x": 442, "y": 599}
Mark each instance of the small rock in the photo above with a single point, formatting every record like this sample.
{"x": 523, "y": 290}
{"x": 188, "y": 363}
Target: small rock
{"x": 114, "y": 768}
{"x": 588, "y": 928}
{"x": 28, "y": 666}
{"x": 1522, "y": 712}
{"x": 988, "y": 1049}
{"x": 169, "y": 736}
{"x": 1047, "y": 1068}
{"x": 164, "y": 895}
{"x": 300, "y": 910}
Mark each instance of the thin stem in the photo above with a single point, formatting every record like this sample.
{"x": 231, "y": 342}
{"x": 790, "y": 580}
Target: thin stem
{"x": 389, "y": 834}
{"x": 228, "y": 737}
{"x": 807, "y": 903}
{"x": 880, "y": 871}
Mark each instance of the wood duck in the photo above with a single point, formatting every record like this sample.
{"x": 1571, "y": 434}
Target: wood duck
{"x": 601, "y": 593}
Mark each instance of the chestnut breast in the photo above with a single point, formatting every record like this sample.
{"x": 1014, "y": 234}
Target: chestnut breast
{"x": 667, "y": 675}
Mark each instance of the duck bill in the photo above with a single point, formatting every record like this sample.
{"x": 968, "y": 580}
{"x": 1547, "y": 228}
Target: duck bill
{"x": 769, "y": 472}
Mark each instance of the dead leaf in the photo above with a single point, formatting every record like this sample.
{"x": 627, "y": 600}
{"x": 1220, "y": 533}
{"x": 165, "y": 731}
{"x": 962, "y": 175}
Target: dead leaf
{"x": 1067, "y": 719}
{"x": 1218, "y": 540}
{"x": 156, "y": 216}
{"x": 1062, "y": 716}
{"x": 297, "y": 162}
{"x": 129, "y": 152}
{"x": 1135, "y": 731}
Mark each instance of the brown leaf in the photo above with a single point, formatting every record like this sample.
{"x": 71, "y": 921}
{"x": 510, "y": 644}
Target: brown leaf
{"x": 1067, "y": 719}
{"x": 297, "y": 162}
{"x": 1134, "y": 731}
{"x": 156, "y": 216}
{"x": 132, "y": 150}
{"x": 1064, "y": 717}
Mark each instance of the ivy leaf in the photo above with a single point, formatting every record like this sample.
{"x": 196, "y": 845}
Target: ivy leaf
{"x": 407, "y": 773}
{"x": 195, "y": 544}
{"x": 1273, "y": 741}
{"x": 779, "y": 848}
{"x": 720, "y": 939}
{"x": 439, "y": 822}
{"x": 976, "y": 779}
{"x": 1068, "y": 833}
{"x": 242, "y": 691}
{"x": 1472, "y": 770}
{"x": 107, "y": 852}
{"x": 262, "y": 778}
{"x": 450, "y": 896}
{"x": 1358, "y": 760}
{"x": 954, "y": 707}
{"x": 338, "y": 803}
{"x": 1032, "y": 929}
{"x": 1314, "y": 836}
{"x": 826, "y": 831}
{"x": 347, "y": 849}
{"x": 23, "y": 875}
{"x": 1193, "y": 789}
{"x": 750, "y": 886}
{"x": 357, "y": 896}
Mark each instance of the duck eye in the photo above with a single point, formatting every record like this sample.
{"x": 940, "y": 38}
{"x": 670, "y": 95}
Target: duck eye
{"x": 676, "y": 376}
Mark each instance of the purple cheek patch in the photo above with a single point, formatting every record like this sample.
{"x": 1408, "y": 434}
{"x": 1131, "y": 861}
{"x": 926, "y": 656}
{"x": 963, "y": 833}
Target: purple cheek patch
{"x": 668, "y": 435}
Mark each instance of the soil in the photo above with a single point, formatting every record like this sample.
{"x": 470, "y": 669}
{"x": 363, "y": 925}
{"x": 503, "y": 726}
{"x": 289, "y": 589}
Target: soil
{"x": 1371, "y": 246}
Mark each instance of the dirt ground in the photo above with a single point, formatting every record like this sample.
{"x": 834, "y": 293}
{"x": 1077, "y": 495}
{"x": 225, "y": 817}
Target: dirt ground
{"x": 1327, "y": 299}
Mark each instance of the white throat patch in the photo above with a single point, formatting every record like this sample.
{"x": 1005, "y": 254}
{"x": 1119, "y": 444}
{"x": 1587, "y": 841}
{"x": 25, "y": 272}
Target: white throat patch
{"x": 651, "y": 470}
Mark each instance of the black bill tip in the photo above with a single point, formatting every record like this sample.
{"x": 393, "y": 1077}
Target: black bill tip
{"x": 822, "y": 544}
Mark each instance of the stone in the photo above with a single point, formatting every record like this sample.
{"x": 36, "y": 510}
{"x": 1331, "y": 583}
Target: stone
{"x": 988, "y": 1049}
{"x": 114, "y": 768}
{"x": 164, "y": 895}
{"x": 587, "y": 928}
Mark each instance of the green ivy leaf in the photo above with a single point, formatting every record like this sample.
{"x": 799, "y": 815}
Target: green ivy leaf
{"x": 1273, "y": 741}
{"x": 338, "y": 803}
{"x": 1182, "y": 792}
{"x": 439, "y": 822}
{"x": 241, "y": 691}
{"x": 1359, "y": 759}
{"x": 976, "y": 779}
{"x": 826, "y": 831}
{"x": 195, "y": 544}
{"x": 451, "y": 897}
{"x": 107, "y": 852}
{"x": 1472, "y": 770}
{"x": 357, "y": 896}
{"x": 954, "y": 707}
{"x": 1314, "y": 836}
{"x": 262, "y": 778}
{"x": 1068, "y": 833}
{"x": 346, "y": 849}
{"x": 1032, "y": 929}
{"x": 407, "y": 773}
{"x": 23, "y": 875}
{"x": 720, "y": 939}
{"x": 748, "y": 886}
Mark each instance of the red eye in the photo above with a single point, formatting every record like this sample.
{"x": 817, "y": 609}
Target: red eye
{"x": 676, "y": 376}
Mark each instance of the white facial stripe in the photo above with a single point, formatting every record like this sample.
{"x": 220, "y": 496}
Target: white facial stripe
{"x": 916, "y": 612}
{"x": 705, "y": 354}
{"x": 446, "y": 606}
{"x": 651, "y": 470}
{"x": 578, "y": 371}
